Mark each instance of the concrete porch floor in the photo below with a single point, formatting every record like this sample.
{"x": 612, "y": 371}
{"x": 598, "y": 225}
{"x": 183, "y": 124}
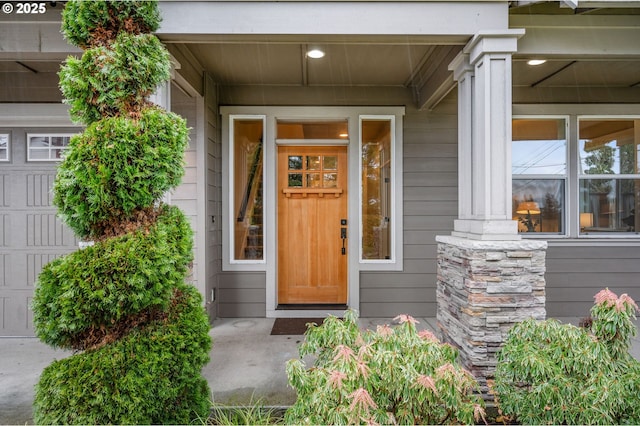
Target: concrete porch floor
{"x": 247, "y": 364}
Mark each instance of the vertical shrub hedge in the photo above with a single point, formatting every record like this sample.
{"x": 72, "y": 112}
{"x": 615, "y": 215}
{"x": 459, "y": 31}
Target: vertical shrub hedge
{"x": 139, "y": 332}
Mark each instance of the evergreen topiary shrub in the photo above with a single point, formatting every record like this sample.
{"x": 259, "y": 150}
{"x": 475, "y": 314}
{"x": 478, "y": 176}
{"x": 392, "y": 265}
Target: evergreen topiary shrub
{"x": 151, "y": 375}
{"x": 139, "y": 332}
{"x": 116, "y": 78}
{"x": 89, "y": 291}
{"x": 117, "y": 166}
{"x": 390, "y": 376}
{"x": 97, "y": 22}
{"x": 553, "y": 373}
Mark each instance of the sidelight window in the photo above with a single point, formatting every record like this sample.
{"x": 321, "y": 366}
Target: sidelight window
{"x": 376, "y": 206}
{"x": 247, "y": 193}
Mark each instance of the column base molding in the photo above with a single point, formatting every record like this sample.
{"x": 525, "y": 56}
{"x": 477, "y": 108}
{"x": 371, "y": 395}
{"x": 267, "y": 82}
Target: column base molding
{"x": 489, "y": 229}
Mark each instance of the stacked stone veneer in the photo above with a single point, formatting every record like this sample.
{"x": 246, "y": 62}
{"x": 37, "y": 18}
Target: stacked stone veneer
{"x": 484, "y": 287}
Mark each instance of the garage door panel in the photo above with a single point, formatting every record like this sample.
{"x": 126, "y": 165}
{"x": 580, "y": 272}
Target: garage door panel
{"x": 16, "y": 317}
{"x": 47, "y": 230}
{"x": 5, "y": 181}
{"x": 33, "y": 264}
{"x": 5, "y": 220}
{"x": 5, "y": 272}
{"x": 39, "y": 189}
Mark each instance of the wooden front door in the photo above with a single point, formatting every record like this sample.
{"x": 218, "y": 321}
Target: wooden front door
{"x": 312, "y": 224}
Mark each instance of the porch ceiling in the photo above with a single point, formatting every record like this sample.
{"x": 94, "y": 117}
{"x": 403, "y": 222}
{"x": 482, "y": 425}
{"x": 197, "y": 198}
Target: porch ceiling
{"x": 416, "y": 63}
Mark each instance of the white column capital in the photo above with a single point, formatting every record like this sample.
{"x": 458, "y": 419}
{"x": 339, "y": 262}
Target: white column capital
{"x": 493, "y": 42}
{"x": 461, "y": 66}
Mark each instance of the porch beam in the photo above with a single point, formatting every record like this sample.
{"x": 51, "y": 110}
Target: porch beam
{"x": 331, "y": 17}
{"x": 580, "y": 36}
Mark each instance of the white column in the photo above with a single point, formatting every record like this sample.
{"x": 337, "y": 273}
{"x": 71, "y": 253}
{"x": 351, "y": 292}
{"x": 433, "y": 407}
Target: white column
{"x": 483, "y": 72}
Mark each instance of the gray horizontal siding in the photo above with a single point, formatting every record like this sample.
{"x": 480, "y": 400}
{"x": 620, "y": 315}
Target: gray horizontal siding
{"x": 575, "y": 274}
{"x": 213, "y": 190}
{"x": 242, "y": 294}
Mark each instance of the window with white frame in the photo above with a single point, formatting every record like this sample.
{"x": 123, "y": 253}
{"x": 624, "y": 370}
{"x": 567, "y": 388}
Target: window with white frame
{"x": 376, "y": 153}
{"x": 4, "y": 147}
{"x": 581, "y": 180}
{"x": 245, "y": 195}
{"x": 609, "y": 175}
{"x": 539, "y": 174}
{"x": 47, "y": 147}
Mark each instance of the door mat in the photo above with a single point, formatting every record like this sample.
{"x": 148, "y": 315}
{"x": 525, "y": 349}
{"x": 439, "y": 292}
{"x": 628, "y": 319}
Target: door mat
{"x": 292, "y": 326}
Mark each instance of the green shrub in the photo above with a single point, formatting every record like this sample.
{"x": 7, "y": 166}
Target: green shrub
{"x": 391, "y": 376}
{"x": 117, "y": 166}
{"x": 552, "y": 373}
{"x": 91, "y": 22}
{"x": 111, "y": 80}
{"x": 140, "y": 334}
{"x": 94, "y": 288}
{"x": 151, "y": 376}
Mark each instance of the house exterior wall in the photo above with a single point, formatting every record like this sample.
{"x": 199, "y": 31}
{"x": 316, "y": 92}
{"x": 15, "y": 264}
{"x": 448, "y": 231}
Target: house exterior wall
{"x": 185, "y": 195}
{"x": 575, "y": 271}
{"x": 430, "y": 206}
{"x": 575, "y": 274}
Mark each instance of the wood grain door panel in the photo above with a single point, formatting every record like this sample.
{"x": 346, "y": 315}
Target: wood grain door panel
{"x": 311, "y": 265}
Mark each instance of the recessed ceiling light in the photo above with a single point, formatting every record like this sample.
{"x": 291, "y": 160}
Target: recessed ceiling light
{"x": 534, "y": 62}
{"x": 315, "y": 54}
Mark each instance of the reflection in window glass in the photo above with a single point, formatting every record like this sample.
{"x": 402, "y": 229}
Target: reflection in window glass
{"x": 609, "y": 205}
{"x": 539, "y": 167}
{"x": 330, "y": 162}
{"x": 248, "y": 188}
{"x": 4, "y": 147}
{"x": 539, "y": 147}
{"x": 313, "y": 180}
{"x": 47, "y": 147}
{"x": 295, "y": 162}
{"x": 609, "y": 175}
{"x": 376, "y": 188}
{"x": 295, "y": 180}
{"x": 313, "y": 162}
{"x": 538, "y": 205}
{"x": 330, "y": 180}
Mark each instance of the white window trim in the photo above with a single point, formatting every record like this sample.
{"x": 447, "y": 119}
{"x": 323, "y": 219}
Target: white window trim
{"x": 578, "y": 175}
{"x": 48, "y": 149}
{"x": 584, "y": 111}
{"x": 396, "y": 260}
{"x": 228, "y": 240}
{"x": 8, "y": 148}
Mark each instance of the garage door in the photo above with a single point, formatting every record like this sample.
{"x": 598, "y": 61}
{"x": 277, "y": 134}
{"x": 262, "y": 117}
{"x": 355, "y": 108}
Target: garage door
{"x": 30, "y": 233}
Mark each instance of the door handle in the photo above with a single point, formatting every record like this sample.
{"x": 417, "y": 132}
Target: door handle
{"x": 343, "y": 235}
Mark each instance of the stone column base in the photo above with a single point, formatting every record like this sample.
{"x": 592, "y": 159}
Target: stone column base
{"x": 483, "y": 289}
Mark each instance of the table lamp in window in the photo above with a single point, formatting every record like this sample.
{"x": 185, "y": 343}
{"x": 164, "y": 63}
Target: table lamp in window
{"x": 528, "y": 209}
